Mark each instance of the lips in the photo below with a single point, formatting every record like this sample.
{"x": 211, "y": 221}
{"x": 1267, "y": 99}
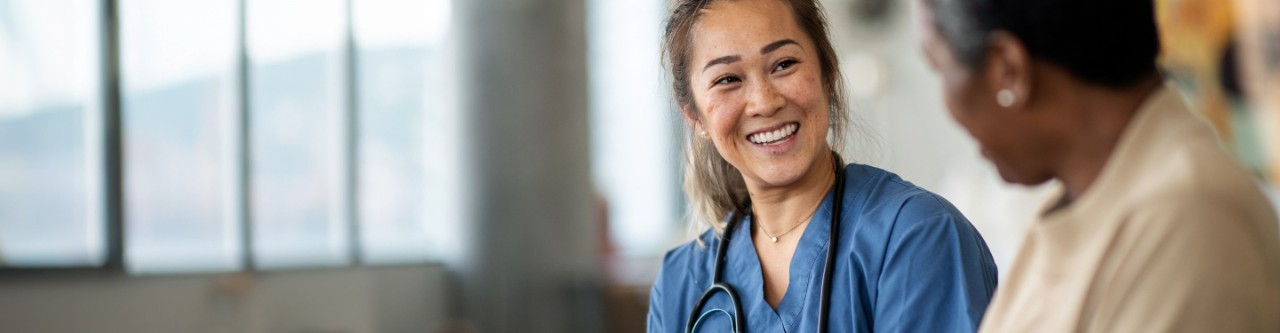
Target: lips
{"x": 774, "y": 135}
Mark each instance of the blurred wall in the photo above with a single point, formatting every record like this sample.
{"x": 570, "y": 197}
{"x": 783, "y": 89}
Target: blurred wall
{"x": 387, "y": 299}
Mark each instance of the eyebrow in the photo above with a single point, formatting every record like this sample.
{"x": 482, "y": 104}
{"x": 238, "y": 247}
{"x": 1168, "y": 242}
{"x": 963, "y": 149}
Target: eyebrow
{"x": 776, "y": 45}
{"x": 725, "y": 60}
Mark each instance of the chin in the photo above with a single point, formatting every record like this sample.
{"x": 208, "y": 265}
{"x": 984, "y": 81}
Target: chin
{"x": 781, "y": 177}
{"x": 1028, "y": 179}
{"x": 784, "y": 173}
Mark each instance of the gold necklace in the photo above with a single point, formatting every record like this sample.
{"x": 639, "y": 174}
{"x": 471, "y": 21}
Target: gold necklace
{"x": 774, "y": 238}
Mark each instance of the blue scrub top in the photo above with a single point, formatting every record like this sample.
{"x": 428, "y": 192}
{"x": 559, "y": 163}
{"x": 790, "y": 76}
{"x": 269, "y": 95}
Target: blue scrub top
{"x": 907, "y": 261}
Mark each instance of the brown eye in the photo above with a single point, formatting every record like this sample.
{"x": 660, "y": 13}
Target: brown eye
{"x": 727, "y": 80}
{"x": 784, "y": 65}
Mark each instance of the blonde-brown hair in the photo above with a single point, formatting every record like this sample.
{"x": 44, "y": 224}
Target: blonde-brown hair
{"x": 714, "y": 187}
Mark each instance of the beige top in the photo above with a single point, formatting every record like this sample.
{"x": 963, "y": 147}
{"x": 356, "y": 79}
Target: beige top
{"x": 1173, "y": 236}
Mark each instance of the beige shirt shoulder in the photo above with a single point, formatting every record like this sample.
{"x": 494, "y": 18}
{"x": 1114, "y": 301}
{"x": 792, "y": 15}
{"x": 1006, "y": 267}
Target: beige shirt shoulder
{"x": 1174, "y": 236}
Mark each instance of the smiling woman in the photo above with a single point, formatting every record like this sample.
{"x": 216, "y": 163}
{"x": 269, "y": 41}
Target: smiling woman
{"x": 713, "y": 184}
{"x": 758, "y": 85}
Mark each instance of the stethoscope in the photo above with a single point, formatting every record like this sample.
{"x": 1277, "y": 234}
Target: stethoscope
{"x": 719, "y": 286}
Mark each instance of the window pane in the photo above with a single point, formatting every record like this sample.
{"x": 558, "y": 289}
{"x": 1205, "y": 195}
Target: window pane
{"x": 179, "y": 86}
{"x": 50, "y": 137}
{"x": 296, "y": 105}
{"x": 404, "y": 133}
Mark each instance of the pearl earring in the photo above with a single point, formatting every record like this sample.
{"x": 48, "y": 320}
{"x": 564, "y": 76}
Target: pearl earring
{"x": 1005, "y": 98}
{"x": 703, "y": 133}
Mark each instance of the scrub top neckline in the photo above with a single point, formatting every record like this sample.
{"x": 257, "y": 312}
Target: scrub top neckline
{"x": 803, "y": 269}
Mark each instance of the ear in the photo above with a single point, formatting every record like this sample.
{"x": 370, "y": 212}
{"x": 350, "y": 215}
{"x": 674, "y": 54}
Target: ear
{"x": 690, "y": 118}
{"x": 1009, "y": 68}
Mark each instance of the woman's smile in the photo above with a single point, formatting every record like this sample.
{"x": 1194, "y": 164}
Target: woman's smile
{"x": 775, "y": 140}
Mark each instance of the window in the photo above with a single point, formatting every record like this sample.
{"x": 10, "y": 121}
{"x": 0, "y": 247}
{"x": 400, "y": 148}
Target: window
{"x": 332, "y": 141}
{"x": 51, "y": 207}
{"x": 298, "y": 134}
{"x": 180, "y": 107}
{"x": 404, "y": 139}
{"x": 634, "y": 148}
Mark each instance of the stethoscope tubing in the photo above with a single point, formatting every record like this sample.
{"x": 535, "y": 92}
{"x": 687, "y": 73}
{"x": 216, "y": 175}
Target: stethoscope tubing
{"x": 717, "y": 285}
{"x": 824, "y": 300}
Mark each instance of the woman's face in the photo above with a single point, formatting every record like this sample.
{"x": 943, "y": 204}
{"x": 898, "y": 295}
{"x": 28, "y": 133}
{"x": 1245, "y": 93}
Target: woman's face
{"x": 757, "y": 85}
{"x": 1007, "y": 135}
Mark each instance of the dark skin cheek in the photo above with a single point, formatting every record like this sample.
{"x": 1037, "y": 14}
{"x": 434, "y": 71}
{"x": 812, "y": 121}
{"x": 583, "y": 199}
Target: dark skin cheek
{"x": 978, "y": 122}
{"x": 961, "y": 108}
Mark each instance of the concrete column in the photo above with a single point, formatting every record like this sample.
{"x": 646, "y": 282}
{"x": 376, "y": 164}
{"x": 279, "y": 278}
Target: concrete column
{"x": 532, "y": 257}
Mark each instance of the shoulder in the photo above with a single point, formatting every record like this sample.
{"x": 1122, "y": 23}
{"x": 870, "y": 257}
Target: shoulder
{"x": 910, "y": 221}
{"x": 1194, "y": 210}
{"x": 1179, "y": 165}
{"x": 885, "y": 195}
{"x": 677, "y": 283}
{"x": 1206, "y": 218}
{"x": 1197, "y": 182}
{"x": 686, "y": 263}
{"x": 1208, "y": 259}
{"x": 924, "y": 254}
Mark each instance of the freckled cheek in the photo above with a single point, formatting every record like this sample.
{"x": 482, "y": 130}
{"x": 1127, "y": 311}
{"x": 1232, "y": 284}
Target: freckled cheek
{"x": 722, "y": 116}
{"x": 806, "y": 92}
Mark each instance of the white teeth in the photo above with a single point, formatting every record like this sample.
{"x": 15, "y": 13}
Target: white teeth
{"x": 774, "y": 135}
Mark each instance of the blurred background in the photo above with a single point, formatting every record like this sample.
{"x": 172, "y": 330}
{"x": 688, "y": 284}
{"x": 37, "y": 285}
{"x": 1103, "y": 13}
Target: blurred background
{"x": 439, "y": 165}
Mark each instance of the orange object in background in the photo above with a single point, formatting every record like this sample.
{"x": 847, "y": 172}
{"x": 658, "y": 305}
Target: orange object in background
{"x": 1194, "y": 35}
{"x": 1224, "y": 55}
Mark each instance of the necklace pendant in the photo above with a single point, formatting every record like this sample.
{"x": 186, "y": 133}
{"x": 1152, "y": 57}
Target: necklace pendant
{"x": 774, "y": 239}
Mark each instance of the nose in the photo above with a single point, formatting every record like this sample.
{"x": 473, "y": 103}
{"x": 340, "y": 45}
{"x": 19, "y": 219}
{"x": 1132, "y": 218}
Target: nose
{"x": 764, "y": 100}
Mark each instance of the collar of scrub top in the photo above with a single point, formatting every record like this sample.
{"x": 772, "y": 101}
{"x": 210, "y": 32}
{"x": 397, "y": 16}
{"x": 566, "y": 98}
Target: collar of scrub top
{"x": 744, "y": 273}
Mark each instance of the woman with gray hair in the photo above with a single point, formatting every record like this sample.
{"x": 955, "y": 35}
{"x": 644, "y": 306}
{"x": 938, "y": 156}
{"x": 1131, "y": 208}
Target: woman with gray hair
{"x": 1156, "y": 228}
{"x": 798, "y": 240}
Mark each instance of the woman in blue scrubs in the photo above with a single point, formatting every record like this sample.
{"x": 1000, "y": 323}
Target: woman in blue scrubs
{"x": 758, "y": 84}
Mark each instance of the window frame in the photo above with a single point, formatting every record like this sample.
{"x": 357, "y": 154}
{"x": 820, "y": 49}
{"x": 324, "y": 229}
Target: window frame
{"x": 108, "y": 129}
